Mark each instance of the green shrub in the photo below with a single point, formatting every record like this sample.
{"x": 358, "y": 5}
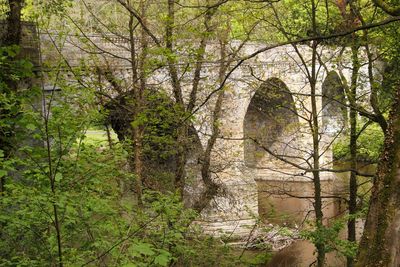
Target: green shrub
{"x": 369, "y": 145}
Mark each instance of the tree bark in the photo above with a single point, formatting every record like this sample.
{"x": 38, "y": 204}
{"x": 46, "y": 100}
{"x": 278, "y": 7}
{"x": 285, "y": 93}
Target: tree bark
{"x": 211, "y": 188}
{"x": 139, "y": 86}
{"x": 379, "y": 245}
{"x": 316, "y": 156}
{"x": 12, "y": 37}
{"x": 351, "y": 223}
{"x": 182, "y": 131}
{"x": 388, "y": 8}
{"x": 14, "y": 27}
{"x": 320, "y": 246}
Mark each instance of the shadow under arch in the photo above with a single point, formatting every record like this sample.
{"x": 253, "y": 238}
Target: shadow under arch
{"x": 334, "y": 111}
{"x": 269, "y": 116}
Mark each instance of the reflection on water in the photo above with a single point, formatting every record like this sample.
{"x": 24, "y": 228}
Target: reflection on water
{"x": 286, "y": 208}
{"x": 301, "y": 254}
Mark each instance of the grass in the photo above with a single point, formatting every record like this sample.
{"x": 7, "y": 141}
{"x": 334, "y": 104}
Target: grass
{"x": 98, "y": 138}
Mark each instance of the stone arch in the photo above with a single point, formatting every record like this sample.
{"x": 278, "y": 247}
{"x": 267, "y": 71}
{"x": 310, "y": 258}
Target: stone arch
{"x": 270, "y": 114}
{"x": 334, "y": 113}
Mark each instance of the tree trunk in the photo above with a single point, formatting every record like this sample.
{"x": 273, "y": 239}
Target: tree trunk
{"x": 320, "y": 245}
{"x": 316, "y": 156}
{"x": 379, "y": 245}
{"x": 211, "y": 188}
{"x": 139, "y": 86}
{"x": 351, "y": 223}
{"x": 12, "y": 37}
{"x": 14, "y": 28}
{"x": 182, "y": 131}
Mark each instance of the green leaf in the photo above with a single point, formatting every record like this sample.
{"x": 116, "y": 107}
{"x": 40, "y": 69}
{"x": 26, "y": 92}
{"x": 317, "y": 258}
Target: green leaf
{"x": 3, "y": 173}
{"x": 58, "y": 177}
{"x": 144, "y": 249}
{"x": 30, "y": 126}
{"x": 163, "y": 259}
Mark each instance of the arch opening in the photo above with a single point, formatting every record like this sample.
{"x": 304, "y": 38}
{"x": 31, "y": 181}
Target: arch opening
{"x": 334, "y": 112}
{"x": 268, "y": 123}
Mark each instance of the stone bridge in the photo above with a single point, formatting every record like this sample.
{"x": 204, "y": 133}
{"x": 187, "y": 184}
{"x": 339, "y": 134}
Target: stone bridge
{"x": 265, "y": 145}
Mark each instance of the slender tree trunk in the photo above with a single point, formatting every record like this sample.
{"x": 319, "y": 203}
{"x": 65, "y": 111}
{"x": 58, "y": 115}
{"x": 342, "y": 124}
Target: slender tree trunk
{"x": 353, "y": 187}
{"x": 101, "y": 100}
{"x": 109, "y": 138}
{"x": 182, "y": 131}
{"x": 373, "y": 99}
{"x": 183, "y": 137}
{"x": 211, "y": 188}
{"x": 320, "y": 246}
{"x": 316, "y": 157}
{"x": 139, "y": 86}
{"x": 351, "y": 223}
{"x": 51, "y": 176}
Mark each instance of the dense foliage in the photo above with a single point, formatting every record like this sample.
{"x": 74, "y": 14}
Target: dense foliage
{"x": 370, "y": 143}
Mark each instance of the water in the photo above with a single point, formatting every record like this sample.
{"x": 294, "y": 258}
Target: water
{"x": 293, "y": 209}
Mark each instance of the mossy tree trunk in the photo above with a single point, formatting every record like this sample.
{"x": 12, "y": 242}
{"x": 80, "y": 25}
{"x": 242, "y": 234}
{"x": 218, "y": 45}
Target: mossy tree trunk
{"x": 380, "y": 244}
